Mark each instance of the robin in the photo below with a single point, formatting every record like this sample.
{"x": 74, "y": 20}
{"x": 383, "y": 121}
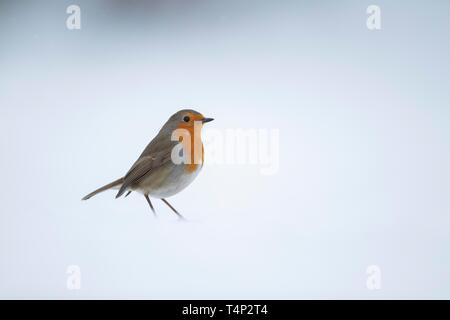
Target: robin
{"x": 169, "y": 163}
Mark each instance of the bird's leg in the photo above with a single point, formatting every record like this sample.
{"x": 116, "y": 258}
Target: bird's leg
{"x": 179, "y": 215}
{"x": 150, "y": 203}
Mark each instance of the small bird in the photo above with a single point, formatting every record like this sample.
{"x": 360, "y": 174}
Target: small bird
{"x": 158, "y": 172}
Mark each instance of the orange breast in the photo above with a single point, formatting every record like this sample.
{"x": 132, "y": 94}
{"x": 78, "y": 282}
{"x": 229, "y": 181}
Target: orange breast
{"x": 194, "y": 166}
{"x": 195, "y": 146}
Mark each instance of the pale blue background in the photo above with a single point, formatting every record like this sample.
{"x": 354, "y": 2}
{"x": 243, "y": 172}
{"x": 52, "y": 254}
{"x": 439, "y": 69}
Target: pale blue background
{"x": 364, "y": 120}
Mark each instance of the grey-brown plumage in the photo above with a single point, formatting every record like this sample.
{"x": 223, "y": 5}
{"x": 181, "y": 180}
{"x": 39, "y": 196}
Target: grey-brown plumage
{"x": 113, "y": 184}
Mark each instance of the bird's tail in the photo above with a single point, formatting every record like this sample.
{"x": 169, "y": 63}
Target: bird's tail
{"x": 113, "y": 184}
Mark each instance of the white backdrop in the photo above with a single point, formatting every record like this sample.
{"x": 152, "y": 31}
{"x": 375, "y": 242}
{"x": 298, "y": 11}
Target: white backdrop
{"x": 364, "y": 124}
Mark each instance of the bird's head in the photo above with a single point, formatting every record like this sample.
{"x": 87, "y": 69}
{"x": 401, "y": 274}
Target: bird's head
{"x": 187, "y": 118}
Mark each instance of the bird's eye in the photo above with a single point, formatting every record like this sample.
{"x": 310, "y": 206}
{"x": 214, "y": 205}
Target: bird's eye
{"x": 186, "y": 119}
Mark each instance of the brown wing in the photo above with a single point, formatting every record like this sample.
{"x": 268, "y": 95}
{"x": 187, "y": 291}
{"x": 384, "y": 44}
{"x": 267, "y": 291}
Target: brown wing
{"x": 144, "y": 166}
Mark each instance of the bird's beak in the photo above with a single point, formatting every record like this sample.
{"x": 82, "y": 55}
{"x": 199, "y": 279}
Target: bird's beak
{"x": 205, "y": 120}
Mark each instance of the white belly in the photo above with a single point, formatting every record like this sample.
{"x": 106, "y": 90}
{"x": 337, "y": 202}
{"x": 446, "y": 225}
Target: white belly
{"x": 175, "y": 179}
